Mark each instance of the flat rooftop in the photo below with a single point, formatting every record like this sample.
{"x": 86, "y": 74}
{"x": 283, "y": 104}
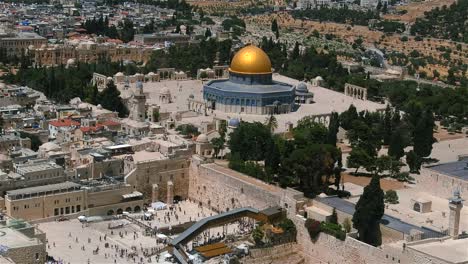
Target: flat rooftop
{"x": 454, "y": 251}
{"x": 34, "y": 167}
{"x": 387, "y": 220}
{"x": 12, "y": 238}
{"x": 45, "y": 188}
{"x": 457, "y": 169}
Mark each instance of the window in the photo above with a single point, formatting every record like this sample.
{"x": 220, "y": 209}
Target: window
{"x": 61, "y": 211}
{"x": 78, "y": 208}
{"x": 67, "y": 210}
{"x": 56, "y": 211}
{"x": 37, "y": 256}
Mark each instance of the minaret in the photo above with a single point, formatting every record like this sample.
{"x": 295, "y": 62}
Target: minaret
{"x": 455, "y": 205}
{"x": 138, "y": 104}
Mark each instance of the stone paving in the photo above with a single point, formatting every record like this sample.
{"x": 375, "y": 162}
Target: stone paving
{"x": 75, "y": 242}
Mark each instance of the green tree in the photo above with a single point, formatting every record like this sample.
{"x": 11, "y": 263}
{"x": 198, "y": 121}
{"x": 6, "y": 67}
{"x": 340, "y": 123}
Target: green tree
{"x": 413, "y": 161}
{"x": 110, "y": 99}
{"x": 207, "y": 33}
{"x": 369, "y": 211}
{"x": 35, "y": 140}
{"x": 333, "y": 128}
{"x": 218, "y": 145}
{"x": 271, "y": 123}
{"x": 187, "y": 130}
{"x": 274, "y": 25}
{"x": 358, "y": 158}
{"x": 250, "y": 140}
{"x": 348, "y": 116}
{"x": 423, "y": 134}
{"x": 398, "y": 142}
{"x": 257, "y": 235}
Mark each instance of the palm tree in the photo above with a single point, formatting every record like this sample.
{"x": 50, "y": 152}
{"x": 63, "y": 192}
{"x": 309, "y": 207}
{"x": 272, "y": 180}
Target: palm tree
{"x": 271, "y": 123}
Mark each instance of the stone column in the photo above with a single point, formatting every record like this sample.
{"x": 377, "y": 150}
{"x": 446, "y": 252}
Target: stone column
{"x": 170, "y": 193}
{"x": 155, "y": 193}
{"x": 455, "y": 205}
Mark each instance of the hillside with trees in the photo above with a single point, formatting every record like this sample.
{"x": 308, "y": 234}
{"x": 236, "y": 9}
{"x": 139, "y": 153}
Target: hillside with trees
{"x": 445, "y": 23}
{"x": 338, "y": 15}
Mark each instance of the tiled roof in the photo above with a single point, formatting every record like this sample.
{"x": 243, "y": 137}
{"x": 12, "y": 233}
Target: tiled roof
{"x": 63, "y": 123}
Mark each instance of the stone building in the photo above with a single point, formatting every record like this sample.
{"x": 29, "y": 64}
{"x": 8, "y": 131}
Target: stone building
{"x": 31, "y": 174}
{"x": 69, "y": 198}
{"x": 11, "y": 141}
{"x": 250, "y": 88}
{"x": 86, "y": 52}
{"x": 17, "y": 44}
{"x": 24, "y": 243}
{"x": 443, "y": 179}
{"x": 146, "y": 169}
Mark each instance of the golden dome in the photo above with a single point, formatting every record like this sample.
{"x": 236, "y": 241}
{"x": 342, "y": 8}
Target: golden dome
{"x": 250, "y": 60}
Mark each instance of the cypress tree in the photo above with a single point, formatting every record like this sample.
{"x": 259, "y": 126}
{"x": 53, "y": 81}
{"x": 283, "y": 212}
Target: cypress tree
{"x": 387, "y": 125}
{"x": 397, "y": 144}
{"x": 369, "y": 211}
{"x": 423, "y": 134}
{"x": 333, "y": 128}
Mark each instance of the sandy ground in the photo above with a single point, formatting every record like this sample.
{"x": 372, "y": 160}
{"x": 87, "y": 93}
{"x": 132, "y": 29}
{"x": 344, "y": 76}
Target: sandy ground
{"x": 385, "y": 184}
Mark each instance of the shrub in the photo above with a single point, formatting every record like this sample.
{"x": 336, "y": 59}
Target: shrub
{"x": 347, "y": 225}
{"x": 288, "y": 227}
{"x": 391, "y": 197}
{"x": 313, "y": 226}
{"x": 257, "y": 235}
{"x": 333, "y": 230}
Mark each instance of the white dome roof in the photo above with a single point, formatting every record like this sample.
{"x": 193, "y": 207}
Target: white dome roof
{"x": 71, "y": 62}
{"x": 119, "y": 74}
{"x": 151, "y": 73}
{"x": 202, "y": 138}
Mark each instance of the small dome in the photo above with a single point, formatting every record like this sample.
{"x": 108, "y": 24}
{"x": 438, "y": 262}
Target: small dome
{"x": 49, "y": 146}
{"x": 151, "y": 74}
{"x": 110, "y": 79}
{"x": 233, "y": 122}
{"x": 43, "y": 46}
{"x": 318, "y": 78}
{"x": 71, "y": 62}
{"x": 99, "y": 106}
{"x": 202, "y": 138}
{"x": 302, "y": 88}
{"x": 119, "y": 74}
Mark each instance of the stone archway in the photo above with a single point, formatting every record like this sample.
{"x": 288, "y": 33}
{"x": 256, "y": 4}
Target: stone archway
{"x": 110, "y": 212}
{"x": 119, "y": 211}
{"x": 137, "y": 209}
